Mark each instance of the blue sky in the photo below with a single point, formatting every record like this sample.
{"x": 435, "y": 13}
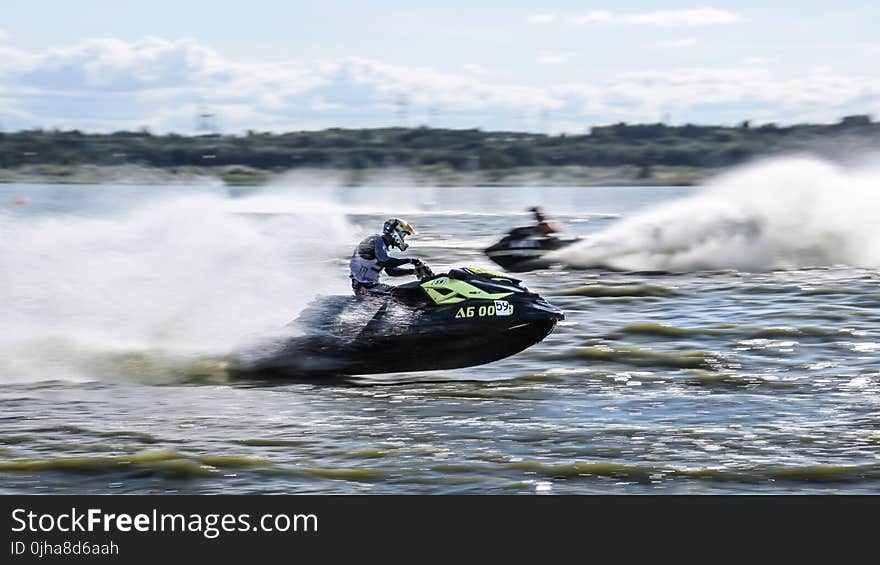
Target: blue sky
{"x": 551, "y": 66}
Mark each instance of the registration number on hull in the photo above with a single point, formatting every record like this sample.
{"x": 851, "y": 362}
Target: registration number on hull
{"x": 497, "y": 308}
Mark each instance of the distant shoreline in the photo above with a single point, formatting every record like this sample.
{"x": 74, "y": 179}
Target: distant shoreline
{"x": 628, "y": 175}
{"x": 615, "y": 155}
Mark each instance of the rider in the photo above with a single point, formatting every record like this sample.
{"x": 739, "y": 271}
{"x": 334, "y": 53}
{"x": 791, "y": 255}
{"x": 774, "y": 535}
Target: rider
{"x": 543, "y": 226}
{"x": 371, "y": 256}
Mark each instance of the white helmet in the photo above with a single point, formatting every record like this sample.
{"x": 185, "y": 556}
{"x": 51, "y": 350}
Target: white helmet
{"x": 397, "y": 230}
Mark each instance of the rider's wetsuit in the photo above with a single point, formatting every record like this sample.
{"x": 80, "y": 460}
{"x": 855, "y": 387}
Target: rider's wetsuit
{"x": 368, "y": 260}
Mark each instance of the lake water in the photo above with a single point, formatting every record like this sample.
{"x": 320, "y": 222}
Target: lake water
{"x": 705, "y": 349}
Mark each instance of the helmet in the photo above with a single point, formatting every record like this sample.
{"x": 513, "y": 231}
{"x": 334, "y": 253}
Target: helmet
{"x": 397, "y": 230}
{"x": 539, "y": 216}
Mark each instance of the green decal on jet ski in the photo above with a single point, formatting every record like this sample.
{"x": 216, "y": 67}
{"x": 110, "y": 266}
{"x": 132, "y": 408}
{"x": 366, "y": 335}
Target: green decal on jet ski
{"x": 489, "y": 272}
{"x": 446, "y": 290}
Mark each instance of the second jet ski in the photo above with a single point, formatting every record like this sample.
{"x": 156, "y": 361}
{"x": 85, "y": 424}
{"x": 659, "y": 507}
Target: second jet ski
{"x": 526, "y": 248}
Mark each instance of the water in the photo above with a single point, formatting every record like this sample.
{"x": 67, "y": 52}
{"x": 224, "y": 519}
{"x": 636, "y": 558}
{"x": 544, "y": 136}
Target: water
{"x": 671, "y": 375}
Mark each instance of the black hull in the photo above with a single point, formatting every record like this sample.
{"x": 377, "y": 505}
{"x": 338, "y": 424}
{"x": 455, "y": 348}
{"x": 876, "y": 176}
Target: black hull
{"x": 520, "y": 255}
{"x": 518, "y": 263}
{"x": 316, "y": 357}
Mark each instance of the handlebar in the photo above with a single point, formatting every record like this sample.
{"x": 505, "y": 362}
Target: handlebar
{"x": 423, "y": 271}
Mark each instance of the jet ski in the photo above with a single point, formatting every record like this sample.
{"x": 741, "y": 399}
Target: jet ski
{"x": 465, "y": 317}
{"x": 524, "y": 250}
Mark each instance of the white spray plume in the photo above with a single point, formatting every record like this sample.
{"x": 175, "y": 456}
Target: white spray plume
{"x": 185, "y": 276}
{"x": 780, "y": 214}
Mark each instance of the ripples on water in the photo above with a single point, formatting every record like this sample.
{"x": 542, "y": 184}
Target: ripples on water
{"x": 707, "y": 382}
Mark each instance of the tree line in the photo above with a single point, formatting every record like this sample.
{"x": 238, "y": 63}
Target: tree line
{"x": 644, "y": 145}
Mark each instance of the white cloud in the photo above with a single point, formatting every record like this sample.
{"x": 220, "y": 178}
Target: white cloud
{"x": 595, "y": 17}
{"x": 670, "y": 18}
{"x": 553, "y": 58}
{"x": 475, "y": 69}
{"x": 110, "y": 84}
{"x": 318, "y": 104}
{"x": 3, "y": 35}
{"x": 683, "y": 43}
{"x": 426, "y": 86}
{"x": 113, "y": 65}
{"x": 663, "y": 18}
{"x": 14, "y": 59}
{"x": 709, "y": 95}
{"x": 541, "y": 19}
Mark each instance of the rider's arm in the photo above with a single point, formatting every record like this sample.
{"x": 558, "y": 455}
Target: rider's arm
{"x": 391, "y": 263}
{"x": 398, "y": 272}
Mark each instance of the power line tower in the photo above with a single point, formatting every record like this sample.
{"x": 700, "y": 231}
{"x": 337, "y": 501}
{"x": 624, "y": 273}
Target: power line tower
{"x": 402, "y": 104}
{"x": 206, "y": 124}
{"x": 206, "y": 121}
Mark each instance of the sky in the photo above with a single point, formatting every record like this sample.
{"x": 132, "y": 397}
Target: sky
{"x": 552, "y": 66}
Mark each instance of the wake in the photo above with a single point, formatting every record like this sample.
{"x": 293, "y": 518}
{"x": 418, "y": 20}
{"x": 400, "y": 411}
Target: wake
{"x": 157, "y": 286}
{"x": 782, "y": 214}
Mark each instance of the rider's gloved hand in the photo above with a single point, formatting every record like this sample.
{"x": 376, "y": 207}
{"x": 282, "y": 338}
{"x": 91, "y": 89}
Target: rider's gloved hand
{"x": 416, "y": 262}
